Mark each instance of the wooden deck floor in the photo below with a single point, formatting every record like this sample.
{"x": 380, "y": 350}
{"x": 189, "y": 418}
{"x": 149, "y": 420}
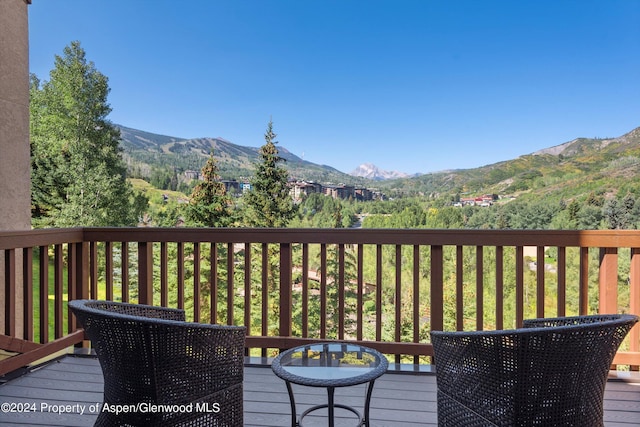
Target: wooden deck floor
{"x": 398, "y": 399}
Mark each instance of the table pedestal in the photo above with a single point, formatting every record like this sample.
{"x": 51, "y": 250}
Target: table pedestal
{"x": 363, "y": 421}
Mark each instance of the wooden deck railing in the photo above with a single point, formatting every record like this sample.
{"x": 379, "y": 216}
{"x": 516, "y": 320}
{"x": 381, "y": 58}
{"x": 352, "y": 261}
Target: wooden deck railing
{"x": 384, "y": 288}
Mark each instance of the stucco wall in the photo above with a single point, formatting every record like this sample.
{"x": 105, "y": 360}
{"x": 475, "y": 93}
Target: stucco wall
{"x": 15, "y": 183}
{"x": 14, "y": 116}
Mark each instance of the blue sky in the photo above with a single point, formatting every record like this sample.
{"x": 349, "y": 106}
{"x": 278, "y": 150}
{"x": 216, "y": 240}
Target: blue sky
{"x": 413, "y": 86}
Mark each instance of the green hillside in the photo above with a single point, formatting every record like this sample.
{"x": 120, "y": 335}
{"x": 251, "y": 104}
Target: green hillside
{"x": 146, "y": 152}
{"x": 571, "y": 170}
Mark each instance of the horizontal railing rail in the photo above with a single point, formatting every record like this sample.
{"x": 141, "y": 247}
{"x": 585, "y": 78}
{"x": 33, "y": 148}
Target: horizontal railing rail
{"x": 385, "y": 288}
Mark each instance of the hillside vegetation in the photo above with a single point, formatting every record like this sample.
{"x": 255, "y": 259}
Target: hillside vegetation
{"x": 148, "y": 153}
{"x": 569, "y": 171}
{"x": 584, "y": 183}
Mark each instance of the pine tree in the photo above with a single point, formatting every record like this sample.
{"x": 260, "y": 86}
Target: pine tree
{"x": 269, "y": 203}
{"x": 210, "y": 204}
{"x": 78, "y": 175}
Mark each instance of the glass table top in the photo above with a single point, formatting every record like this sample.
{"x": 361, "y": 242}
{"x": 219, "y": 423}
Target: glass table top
{"x": 330, "y": 364}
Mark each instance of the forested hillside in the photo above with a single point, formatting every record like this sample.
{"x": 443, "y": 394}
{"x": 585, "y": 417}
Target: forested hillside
{"x": 151, "y": 157}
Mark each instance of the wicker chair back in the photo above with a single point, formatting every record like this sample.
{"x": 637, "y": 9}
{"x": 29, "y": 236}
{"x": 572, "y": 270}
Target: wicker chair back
{"x": 162, "y": 371}
{"x": 551, "y": 372}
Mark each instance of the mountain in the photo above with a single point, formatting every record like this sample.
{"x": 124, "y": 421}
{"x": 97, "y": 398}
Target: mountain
{"x": 370, "y": 171}
{"x": 583, "y": 145}
{"x": 574, "y": 169}
{"x": 144, "y": 151}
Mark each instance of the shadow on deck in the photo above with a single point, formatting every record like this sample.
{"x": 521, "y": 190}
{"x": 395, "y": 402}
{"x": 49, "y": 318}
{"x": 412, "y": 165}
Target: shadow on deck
{"x": 399, "y": 399}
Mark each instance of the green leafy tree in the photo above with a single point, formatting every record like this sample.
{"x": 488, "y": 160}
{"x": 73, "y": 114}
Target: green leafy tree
{"x": 78, "y": 175}
{"x": 269, "y": 204}
{"x": 210, "y": 204}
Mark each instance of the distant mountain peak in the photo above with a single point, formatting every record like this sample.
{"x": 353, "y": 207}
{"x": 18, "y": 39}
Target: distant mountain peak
{"x": 371, "y": 171}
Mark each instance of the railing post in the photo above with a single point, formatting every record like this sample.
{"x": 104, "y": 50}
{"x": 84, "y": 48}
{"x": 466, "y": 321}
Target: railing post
{"x": 519, "y": 286}
{"x": 230, "y": 283}
{"x": 378, "y": 292}
{"x": 479, "y": 288}
{"x": 583, "y": 293}
{"x": 72, "y": 278}
{"x": 196, "y": 282}
{"x": 305, "y": 291}
{"x": 437, "y": 294}
{"x": 398, "y": 298}
{"x": 265, "y": 293}
{"x": 341, "y": 291}
{"x": 164, "y": 275}
{"x": 92, "y": 265}
{"x": 27, "y": 293}
{"x": 108, "y": 269}
{"x": 79, "y": 287}
{"x": 145, "y": 273}
{"x": 499, "y": 287}
{"x": 460, "y": 288}
{"x": 44, "y": 294}
{"x": 416, "y": 299}
{"x": 608, "y": 279}
{"x": 78, "y": 281}
{"x": 562, "y": 280}
{"x": 285, "y": 289}
{"x": 124, "y": 256}
{"x": 58, "y": 289}
{"x": 540, "y": 291}
{"x": 180, "y": 268}
{"x": 10, "y": 292}
{"x": 83, "y": 269}
{"x": 323, "y": 290}
{"x": 634, "y": 297}
{"x": 247, "y": 287}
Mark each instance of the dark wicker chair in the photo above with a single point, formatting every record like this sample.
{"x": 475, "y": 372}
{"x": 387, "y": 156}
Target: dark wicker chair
{"x": 151, "y": 356}
{"x": 551, "y": 372}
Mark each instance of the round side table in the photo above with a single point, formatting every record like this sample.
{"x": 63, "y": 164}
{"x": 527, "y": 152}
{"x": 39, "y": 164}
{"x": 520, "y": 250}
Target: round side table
{"x": 330, "y": 365}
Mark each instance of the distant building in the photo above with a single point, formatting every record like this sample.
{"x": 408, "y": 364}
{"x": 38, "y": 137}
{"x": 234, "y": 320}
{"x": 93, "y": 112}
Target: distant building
{"x": 340, "y": 191}
{"x": 231, "y": 186}
{"x": 301, "y": 189}
{"x": 467, "y": 201}
{"x": 484, "y": 200}
{"x": 190, "y": 175}
{"x": 363, "y": 194}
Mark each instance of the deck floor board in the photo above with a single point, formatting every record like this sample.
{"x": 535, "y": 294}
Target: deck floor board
{"x": 398, "y": 399}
